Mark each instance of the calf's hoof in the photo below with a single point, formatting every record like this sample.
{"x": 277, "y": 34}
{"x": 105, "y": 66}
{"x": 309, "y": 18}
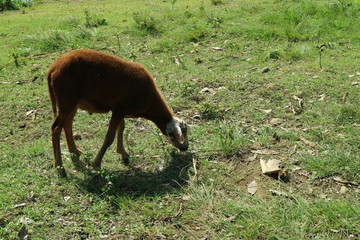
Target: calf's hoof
{"x": 61, "y": 172}
{"x": 126, "y": 161}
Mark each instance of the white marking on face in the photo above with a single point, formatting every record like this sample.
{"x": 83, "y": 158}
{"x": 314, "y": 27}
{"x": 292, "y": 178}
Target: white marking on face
{"x": 176, "y": 130}
{"x": 173, "y": 128}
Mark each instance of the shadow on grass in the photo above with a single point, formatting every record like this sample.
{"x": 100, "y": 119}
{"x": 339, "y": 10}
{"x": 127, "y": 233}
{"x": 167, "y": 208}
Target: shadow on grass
{"x": 135, "y": 182}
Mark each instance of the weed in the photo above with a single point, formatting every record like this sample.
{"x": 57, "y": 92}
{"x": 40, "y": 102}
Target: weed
{"x": 344, "y": 7}
{"x": 209, "y": 110}
{"x": 71, "y": 21}
{"x": 274, "y": 54}
{"x": 92, "y": 21}
{"x": 86, "y": 33}
{"x": 188, "y": 89}
{"x": 196, "y": 33}
{"x": 321, "y": 50}
{"x": 188, "y": 14}
{"x": 215, "y": 22}
{"x": 8, "y": 5}
{"x": 216, "y": 2}
{"x": 16, "y": 59}
{"x": 295, "y": 53}
{"x": 231, "y": 140}
{"x": 145, "y": 22}
{"x": 14, "y": 4}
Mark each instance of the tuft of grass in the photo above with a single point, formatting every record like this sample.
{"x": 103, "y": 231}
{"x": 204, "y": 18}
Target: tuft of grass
{"x": 54, "y": 40}
{"x": 92, "y": 21}
{"x": 14, "y": 4}
{"x": 146, "y": 22}
{"x": 209, "y": 110}
{"x": 334, "y": 162}
{"x": 231, "y": 140}
{"x": 349, "y": 113}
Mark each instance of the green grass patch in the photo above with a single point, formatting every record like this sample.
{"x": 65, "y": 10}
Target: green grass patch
{"x": 253, "y": 79}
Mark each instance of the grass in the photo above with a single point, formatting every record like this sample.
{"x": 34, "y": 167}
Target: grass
{"x": 229, "y": 68}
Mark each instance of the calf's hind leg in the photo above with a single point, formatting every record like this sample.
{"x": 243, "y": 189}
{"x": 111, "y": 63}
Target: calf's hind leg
{"x": 69, "y": 133}
{"x": 120, "y": 142}
{"x": 56, "y": 129}
{"x": 56, "y": 132}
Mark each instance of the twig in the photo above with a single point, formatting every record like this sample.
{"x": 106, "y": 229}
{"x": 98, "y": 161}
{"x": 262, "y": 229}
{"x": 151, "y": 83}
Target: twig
{"x": 17, "y": 82}
{"x": 46, "y": 54}
{"x": 195, "y": 171}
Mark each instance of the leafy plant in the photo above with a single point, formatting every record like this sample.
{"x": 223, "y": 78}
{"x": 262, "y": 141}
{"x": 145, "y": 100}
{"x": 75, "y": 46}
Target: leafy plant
{"x": 145, "y": 21}
{"x": 8, "y": 5}
{"x": 14, "y": 4}
{"x": 214, "y": 21}
{"x": 274, "y": 54}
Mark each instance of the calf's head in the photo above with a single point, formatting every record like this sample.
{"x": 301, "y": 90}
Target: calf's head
{"x": 176, "y": 131}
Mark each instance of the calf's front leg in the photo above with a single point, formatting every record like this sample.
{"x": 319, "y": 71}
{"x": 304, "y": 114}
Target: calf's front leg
{"x": 109, "y": 138}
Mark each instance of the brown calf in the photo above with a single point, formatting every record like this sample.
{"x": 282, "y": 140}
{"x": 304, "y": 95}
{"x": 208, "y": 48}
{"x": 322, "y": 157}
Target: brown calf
{"x": 98, "y": 83}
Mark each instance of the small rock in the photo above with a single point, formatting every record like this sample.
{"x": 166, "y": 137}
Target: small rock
{"x": 30, "y": 112}
{"x": 252, "y": 158}
{"x": 343, "y": 190}
{"x": 322, "y": 97}
{"x": 207, "y": 90}
{"x": 19, "y": 205}
{"x": 270, "y": 166}
{"x": 252, "y": 187}
{"x": 266, "y": 111}
{"x": 217, "y": 49}
{"x": 276, "y": 121}
{"x": 186, "y": 198}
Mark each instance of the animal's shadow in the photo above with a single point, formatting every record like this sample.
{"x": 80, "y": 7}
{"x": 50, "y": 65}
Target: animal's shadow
{"x": 135, "y": 182}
